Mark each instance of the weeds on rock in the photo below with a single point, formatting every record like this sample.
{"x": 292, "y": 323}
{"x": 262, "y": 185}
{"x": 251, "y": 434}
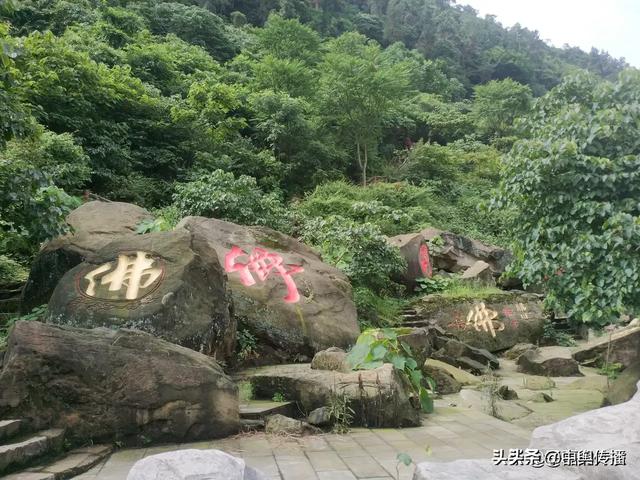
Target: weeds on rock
{"x": 340, "y": 412}
{"x": 490, "y": 384}
{"x": 247, "y": 343}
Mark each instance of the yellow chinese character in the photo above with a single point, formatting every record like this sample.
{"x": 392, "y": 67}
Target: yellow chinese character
{"x": 483, "y": 318}
{"x": 132, "y": 271}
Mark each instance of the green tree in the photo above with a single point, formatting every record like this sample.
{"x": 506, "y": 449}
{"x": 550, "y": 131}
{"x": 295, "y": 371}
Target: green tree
{"x": 360, "y": 92}
{"x": 221, "y": 195}
{"x": 574, "y": 185}
{"x": 497, "y": 104}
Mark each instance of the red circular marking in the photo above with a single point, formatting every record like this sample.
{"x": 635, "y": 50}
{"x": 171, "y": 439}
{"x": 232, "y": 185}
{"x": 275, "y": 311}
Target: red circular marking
{"x": 425, "y": 260}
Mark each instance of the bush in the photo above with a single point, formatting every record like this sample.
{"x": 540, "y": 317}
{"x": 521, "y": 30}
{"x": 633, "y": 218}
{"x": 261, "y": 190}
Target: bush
{"x": 358, "y": 249}
{"x": 221, "y": 195}
{"x": 574, "y": 189}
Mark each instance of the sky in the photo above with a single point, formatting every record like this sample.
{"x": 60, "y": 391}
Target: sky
{"x": 611, "y": 25}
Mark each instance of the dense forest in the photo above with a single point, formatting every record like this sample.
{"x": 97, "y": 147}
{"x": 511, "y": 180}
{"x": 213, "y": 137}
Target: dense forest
{"x": 338, "y": 122}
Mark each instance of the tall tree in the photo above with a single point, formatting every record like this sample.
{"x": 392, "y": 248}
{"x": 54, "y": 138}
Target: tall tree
{"x": 359, "y": 92}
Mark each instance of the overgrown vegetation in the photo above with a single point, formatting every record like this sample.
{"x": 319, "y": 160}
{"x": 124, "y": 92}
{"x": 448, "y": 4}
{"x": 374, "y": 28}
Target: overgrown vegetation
{"x": 378, "y": 346}
{"x": 338, "y": 122}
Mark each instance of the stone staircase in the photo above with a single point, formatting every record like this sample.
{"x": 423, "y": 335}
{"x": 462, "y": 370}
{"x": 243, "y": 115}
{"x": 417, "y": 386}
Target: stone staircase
{"x": 39, "y": 455}
{"x": 411, "y": 318}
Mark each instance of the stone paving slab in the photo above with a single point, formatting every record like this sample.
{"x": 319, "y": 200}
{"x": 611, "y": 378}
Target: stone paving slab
{"x": 450, "y": 433}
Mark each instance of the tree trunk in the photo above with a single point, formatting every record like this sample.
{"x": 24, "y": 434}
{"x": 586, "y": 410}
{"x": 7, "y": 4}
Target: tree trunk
{"x": 364, "y": 167}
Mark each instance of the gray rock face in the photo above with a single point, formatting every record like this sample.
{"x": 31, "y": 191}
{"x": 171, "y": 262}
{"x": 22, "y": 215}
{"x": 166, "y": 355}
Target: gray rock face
{"x": 550, "y": 362}
{"x": 193, "y": 464}
{"x": 518, "y": 349}
{"x": 279, "y": 424}
{"x": 169, "y": 284}
{"x": 624, "y": 387}
{"x": 502, "y": 409}
{"x": 445, "y": 383}
{"x": 320, "y": 417}
{"x": 459, "y": 253}
{"x": 333, "y": 358}
{"x": 495, "y": 323}
{"x": 94, "y": 224}
{"x": 625, "y": 348}
{"x": 379, "y": 397}
{"x": 610, "y": 428}
{"x": 604, "y": 429}
{"x": 298, "y": 308}
{"x": 463, "y": 356}
{"x": 109, "y": 385}
{"x": 479, "y": 272}
{"x": 485, "y": 470}
{"x": 421, "y": 342}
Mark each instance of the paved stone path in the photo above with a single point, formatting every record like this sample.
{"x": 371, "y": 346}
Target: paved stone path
{"x": 448, "y": 434}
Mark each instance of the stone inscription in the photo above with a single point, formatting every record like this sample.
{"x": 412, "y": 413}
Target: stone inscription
{"x": 261, "y": 263}
{"x": 133, "y": 276}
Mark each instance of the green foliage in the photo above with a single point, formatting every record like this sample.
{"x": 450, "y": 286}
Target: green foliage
{"x": 36, "y": 314}
{"x": 11, "y": 272}
{"x": 378, "y": 346}
{"x": 573, "y": 189}
{"x": 279, "y": 397}
{"x": 32, "y": 208}
{"x": 611, "y": 370}
{"x": 194, "y": 25}
{"x": 376, "y": 311}
{"x": 222, "y": 195}
{"x": 362, "y": 90}
{"x": 247, "y": 344}
{"x": 358, "y": 249}
{"x": 552, "y": 336}
{"x": 435, "y": 284}
{"x": 497, "y": 104}
{"x": 340, "y": 412}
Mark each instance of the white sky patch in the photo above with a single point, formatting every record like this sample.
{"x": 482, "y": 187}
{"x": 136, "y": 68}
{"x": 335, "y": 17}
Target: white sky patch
{"x": 612, "y": 25}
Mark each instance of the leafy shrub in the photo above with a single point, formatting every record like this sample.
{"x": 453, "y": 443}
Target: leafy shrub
{"x": 378, "y": 346}
{"x": 573, "y": 188}
{"x": 358, "y": 249}
{"x": 376, "y": 311}
{"x": 221, "y": 195}
{"x": 11, "y": 272}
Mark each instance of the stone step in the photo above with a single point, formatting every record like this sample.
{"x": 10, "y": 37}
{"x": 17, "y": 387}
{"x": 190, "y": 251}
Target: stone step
{"x": 28, "y": 450}
{"x": 72, "y": 464}
{"x": 260, "y": 409}
{"x": 10, "y": 428}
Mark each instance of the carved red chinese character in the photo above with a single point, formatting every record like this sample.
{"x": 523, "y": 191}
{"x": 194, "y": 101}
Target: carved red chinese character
{"x": 262, "y": 263}
{"x": 425, "y": 260}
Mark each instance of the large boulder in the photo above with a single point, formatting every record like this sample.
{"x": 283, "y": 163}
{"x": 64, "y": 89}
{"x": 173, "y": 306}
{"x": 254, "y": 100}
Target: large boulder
{"x": 458, "y": 253}
{"x": 549, "y": 362}
{"x": 494, "y": 323}
{"x": 625, "y": 386}
{"x": 93, "y": 225}
{"x": 461, "y": 355}
{"x": 282, "y": 292}
{"x": 415, "y": 250}
{"x": 448, "y": 252}
{"x": 623, "y": 348}
{"x": 107, "y": 385}
{"x": 606, "y": 442}
{"x": 378, "y": 397}
{"x": 169, "y": 284}
{"x": 610, "y": 428}
{"x": 192, "y": 464}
